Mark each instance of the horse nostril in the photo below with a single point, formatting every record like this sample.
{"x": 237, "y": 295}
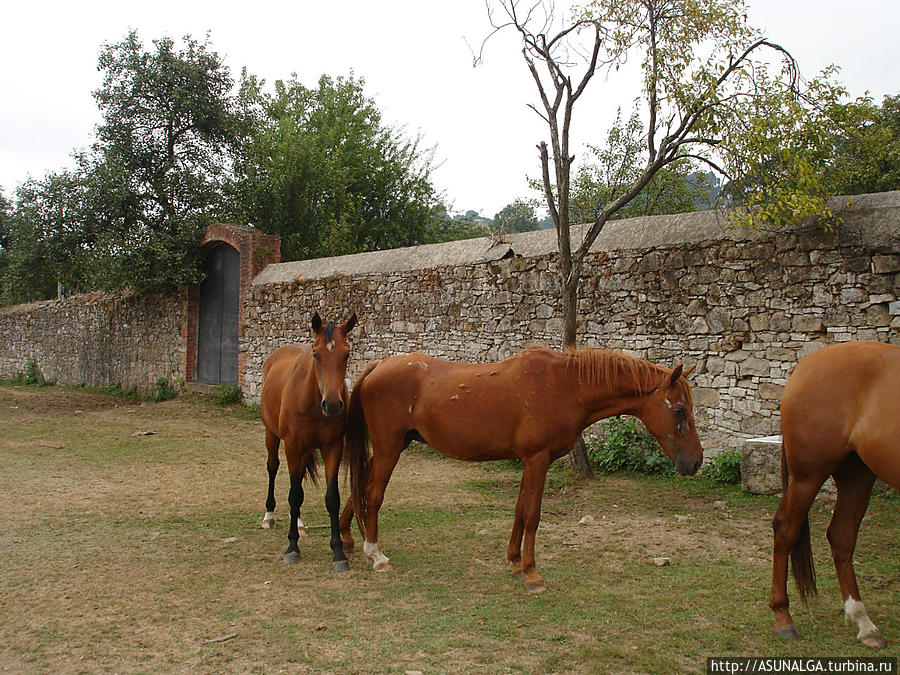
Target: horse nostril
{"x": 331, "y": 409}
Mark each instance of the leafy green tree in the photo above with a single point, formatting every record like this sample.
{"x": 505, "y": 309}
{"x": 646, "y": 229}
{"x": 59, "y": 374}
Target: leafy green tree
{"x": 5, "y": 225}
{"x": 468, "y": 225}
{"x": 517, "y": 216}
{"x": 676, "y": 188}
{"x": 43, "y": 239}
{"x": 324, "y": 172}
{"x": 867, "y": 155}
{"x": 159, "y": 160}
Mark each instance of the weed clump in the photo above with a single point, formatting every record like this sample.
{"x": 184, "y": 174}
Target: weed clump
{"x": 31, "y": 374}
{"x": 625, "y": 445}
{"x": 724, "y": 467}
{"x": 163, "y": 391}
{"x": 228, "y": 394}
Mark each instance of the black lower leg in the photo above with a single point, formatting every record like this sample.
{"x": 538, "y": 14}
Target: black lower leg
{"x": 333, "y": 504}
{"x": 270, "y": 498}
{"x": 295, "y": 499}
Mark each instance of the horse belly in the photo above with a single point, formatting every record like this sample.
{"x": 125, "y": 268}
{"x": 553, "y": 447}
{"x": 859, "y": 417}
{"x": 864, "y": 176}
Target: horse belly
{"x": 465, "y": 431}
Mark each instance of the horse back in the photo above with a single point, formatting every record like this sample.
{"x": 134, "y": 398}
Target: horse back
{"x": 470, "y": 411}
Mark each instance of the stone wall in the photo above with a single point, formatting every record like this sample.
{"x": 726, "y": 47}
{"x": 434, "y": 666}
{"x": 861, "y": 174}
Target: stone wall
{"x": 98, "y": 339}
{"x": 743, "y": 307}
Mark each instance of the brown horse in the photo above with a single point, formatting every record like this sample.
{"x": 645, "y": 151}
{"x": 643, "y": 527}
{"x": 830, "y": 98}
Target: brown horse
{"x": 302, "y": 403}
{"x": 532, "y": 406}
{"x": 840, "y": 416}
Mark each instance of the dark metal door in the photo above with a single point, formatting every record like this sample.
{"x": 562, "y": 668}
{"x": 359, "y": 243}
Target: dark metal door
{"x": 217, "y": 322}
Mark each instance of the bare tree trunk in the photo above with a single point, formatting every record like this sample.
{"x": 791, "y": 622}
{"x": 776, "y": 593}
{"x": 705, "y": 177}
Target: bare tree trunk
{"x": 578, "y": 458}
{"x": 579, "y": 461}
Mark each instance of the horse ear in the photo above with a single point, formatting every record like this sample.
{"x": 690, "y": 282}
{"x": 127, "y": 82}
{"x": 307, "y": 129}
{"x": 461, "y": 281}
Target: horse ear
{"x": 316, "y": 324}
{"x": 688, "y": 371}
{"x": 351, "y": 322}
{"x": 673, "y": 378}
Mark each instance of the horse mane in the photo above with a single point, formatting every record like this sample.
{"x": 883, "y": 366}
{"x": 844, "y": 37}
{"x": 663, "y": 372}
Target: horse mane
{"x": 613, "y": 369}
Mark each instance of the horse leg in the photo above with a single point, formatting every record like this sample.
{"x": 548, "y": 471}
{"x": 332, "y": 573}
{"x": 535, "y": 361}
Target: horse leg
{"x": 296, "y": 468}
{"x": 514, "y": 550}
{"x": 272, "y": 443}
{"x": 382, "y": 467}
{"x": 854, "y": 482}
{"x": 787, "y": 526}
{"x": 344, "y": 523}
{"x": 332, "y": 458}
{"x": 533, "y": 478}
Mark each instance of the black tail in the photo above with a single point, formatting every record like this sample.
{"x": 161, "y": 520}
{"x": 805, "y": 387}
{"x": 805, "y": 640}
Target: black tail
{"x": 356, "y": 447}
{"x": 801, "y": 553}
{"x": 312, "y": 469}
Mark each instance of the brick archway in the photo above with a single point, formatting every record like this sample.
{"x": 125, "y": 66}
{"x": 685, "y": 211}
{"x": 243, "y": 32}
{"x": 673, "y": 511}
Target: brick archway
{"x": 256, "y": 250}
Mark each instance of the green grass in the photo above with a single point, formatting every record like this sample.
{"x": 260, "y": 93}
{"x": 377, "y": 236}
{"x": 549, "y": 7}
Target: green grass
{"x": 124, "y": 553}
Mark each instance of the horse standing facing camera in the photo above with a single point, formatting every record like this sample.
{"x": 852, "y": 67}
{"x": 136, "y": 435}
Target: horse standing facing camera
{"x": 303, "y": 403}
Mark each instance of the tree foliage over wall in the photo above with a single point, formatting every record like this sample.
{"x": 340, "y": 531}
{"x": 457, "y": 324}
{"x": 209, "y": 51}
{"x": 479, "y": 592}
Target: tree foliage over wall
{"x": 322, "y": 170}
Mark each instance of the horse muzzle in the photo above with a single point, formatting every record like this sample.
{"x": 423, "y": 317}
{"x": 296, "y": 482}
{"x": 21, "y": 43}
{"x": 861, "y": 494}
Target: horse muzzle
{"x": 332, "y": 408}
{"x": 688, "y": 467}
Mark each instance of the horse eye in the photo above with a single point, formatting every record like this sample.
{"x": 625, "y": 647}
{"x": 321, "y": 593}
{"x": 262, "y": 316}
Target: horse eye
{"x": 316, "y": 356}
{"x": 680, "y": 411}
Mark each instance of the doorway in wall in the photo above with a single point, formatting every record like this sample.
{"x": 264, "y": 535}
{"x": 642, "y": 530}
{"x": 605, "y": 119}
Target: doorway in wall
{"x": 217, "y": 317}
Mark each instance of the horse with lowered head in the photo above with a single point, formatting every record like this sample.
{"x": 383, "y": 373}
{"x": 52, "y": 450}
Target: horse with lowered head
{"x": 303, "y": 399}
{"x": 532, "y": 406}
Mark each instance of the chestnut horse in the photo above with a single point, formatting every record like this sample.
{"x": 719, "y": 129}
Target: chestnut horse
{"x": 532, "y": 406}
{"x": 840, "y": 416}
{"x": 302, "y": 403}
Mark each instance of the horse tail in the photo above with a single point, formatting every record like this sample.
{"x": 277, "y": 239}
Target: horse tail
{"x": 801, "y": 552}
{"x": 311, "y": 470}
{"x": 356, "y": 447}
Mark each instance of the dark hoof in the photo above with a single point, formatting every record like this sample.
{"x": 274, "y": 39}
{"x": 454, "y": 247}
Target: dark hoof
{"x": 291, "y": 558}
{"x": 340, "y": 566}
{"x": 874, "y": 640}
{"x": 787, "y": 632}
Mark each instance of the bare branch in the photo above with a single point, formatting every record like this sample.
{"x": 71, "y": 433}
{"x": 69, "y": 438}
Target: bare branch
{"x": 548, "y": 190}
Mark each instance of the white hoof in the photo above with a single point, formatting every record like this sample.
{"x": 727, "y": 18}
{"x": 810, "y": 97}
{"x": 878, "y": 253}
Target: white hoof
{"x": 380, "y": 562}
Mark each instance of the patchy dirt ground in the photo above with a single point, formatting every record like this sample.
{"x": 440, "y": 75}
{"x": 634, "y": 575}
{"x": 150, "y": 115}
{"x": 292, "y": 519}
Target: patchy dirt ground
{"x": 129, "y": 551}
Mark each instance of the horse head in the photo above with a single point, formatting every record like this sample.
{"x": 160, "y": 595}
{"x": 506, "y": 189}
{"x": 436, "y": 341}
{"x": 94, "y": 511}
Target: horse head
{"x": 668, "y": 414}
{"x": 330, "y": 352}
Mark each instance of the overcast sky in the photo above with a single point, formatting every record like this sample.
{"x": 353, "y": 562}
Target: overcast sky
{"x": 413, "y": 54}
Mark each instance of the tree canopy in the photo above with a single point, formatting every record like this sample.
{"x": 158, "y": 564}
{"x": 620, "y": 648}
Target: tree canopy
{"x": 130, "y": 214}
{"x": 517, "y": 216}
{"x": 180, "y": 146}
{"x": 322, "y": 170}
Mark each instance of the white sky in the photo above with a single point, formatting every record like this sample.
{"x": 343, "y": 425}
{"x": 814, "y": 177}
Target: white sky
{"x": 413, "y": 55}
